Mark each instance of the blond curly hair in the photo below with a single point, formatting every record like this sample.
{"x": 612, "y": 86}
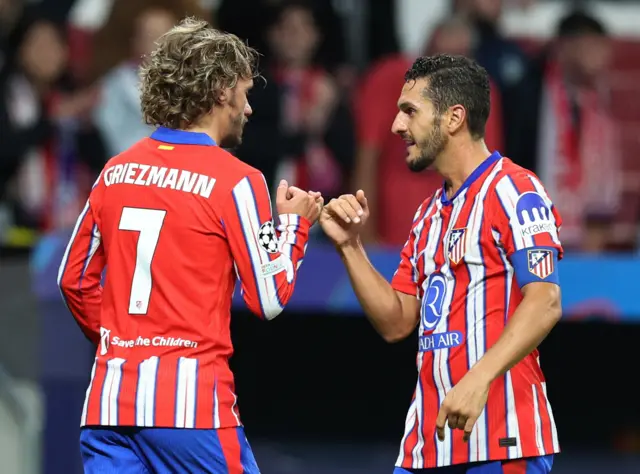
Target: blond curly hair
{"x": 193, "y": 63}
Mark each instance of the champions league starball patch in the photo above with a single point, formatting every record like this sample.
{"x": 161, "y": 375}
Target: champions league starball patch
{"x": 267, "y": 237}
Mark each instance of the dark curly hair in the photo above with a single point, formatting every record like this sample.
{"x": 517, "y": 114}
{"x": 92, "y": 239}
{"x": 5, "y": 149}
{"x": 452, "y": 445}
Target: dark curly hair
{"x": 455, "y": 80}
{"x": 192, "y": 64}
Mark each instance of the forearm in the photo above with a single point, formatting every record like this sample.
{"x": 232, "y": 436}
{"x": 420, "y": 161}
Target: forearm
{"x": 378, "y": 299}
{"x": 533, "y": 319}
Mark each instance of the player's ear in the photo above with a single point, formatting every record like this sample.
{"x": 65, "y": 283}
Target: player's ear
{"x": 454, "y": 118}
{"x": 223, "y": 96}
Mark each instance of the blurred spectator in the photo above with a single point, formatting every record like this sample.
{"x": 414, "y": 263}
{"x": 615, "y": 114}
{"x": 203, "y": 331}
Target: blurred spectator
{"x": 42, "y": 133}
{"x": 393, "y": 191}
{"x": 246, "y": 18}
{"x": 503, "y": 59}
{"x": 299, "y": 130}
{"x": 568, "y": 136}
{"x": 118, "y": 114}
{"x": 10, "y": 11}
{"x": 112, "y": 42}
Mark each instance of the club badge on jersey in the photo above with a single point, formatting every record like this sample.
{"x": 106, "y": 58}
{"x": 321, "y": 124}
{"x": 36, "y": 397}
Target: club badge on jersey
{"x": 457, "y": 245}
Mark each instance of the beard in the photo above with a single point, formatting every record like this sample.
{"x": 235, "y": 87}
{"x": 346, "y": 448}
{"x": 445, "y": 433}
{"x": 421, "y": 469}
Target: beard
{"x": 429, "y": 149}
{"x": 233, "y": 139}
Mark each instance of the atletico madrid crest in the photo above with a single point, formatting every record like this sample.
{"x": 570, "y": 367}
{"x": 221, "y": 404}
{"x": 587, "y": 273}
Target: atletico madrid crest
{"x": 457, "y": 245}
{"x": 540, "y": 262}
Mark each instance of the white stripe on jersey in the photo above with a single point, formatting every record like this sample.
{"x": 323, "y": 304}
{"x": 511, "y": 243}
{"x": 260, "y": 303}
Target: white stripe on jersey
{"x": 247, "y": 209}
{"x": 187, "y": 385}
{"x": 65, "y": 257}
{"x": 415, "y": 413}
{"x": 475, "y": 307}
{"x": 234, "y": 407}
{"x": 83, "y": 418}
{"x": 110, "y": 392}
{"x": 508, "y": 197}
{"x": 538, "y": 421}
{"x": 441, "y": 369}
{"x": 513, "y": 427}
{"x": 216, "y": 407}
{"x": 554, "y": 431}
{"x": 146, "y": 392}
{"x": 409, "y": 422}
{"x": 289, "y": 224}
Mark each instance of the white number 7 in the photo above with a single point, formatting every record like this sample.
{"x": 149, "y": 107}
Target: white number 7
{"x": 149, "y": 223}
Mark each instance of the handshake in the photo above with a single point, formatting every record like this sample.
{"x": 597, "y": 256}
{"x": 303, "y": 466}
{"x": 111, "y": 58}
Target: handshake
{"x": 341, "y": 219}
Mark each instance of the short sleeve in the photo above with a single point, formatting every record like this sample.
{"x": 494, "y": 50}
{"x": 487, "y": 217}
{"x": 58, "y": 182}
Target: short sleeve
{"x": 526, "y": 225}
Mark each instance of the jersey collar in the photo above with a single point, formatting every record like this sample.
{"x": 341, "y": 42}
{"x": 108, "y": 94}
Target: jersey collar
{"x": 182, "y": 137}
{"x": 484, "y": 166}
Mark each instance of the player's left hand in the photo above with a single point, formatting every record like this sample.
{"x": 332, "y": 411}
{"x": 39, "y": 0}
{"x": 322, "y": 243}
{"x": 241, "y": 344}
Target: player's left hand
{"x": 463, "y": 405}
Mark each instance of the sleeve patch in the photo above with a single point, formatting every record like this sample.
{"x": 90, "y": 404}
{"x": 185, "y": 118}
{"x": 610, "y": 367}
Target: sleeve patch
{"x": 532, "y": 216}
{"x": 267, "y": 237}
{"x": 536, "y": 264}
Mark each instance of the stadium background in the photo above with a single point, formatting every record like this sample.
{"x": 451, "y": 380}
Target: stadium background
{"x": 319, "y": 391}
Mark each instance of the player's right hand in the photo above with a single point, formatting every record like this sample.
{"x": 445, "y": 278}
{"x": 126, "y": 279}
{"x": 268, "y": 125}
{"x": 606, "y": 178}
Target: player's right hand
{"x": 292, "y": 200}
{"x": 343, "y": 218}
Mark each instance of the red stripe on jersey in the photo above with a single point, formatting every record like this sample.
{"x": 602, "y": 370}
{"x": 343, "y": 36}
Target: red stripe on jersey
{"x": 546, "y": 428}
{"x": 523, "y": 395}
{"x": 231, "y": 450}
{"x": 127, "y": 398}
{"x": 204, "y": 399}
{"x": 166, "y": 386}
{"x": 412, "y": 439}
{"x": 94, "y": 406}
{"x": 227, "y": 403}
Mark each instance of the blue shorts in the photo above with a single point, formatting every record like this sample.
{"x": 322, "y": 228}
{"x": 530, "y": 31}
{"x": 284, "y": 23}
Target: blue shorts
{"x": 537, "y": 465}
{"x": 133, "y": 450}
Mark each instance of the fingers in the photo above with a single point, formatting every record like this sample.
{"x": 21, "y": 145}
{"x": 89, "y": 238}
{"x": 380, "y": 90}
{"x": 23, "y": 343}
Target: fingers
{"x": 468, "y": 428}
{"x": 362, "y": 199}
{"x": 355, "y": 205}
{"x": 282, "y": 191}
{"x": 453, "y": 421}
{"x": 440, "y": 422}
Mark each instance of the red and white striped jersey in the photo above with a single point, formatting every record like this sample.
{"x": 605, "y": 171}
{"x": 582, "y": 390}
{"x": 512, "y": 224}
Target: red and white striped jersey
{"x": 176, "y": 220}
{"x": 467, "y": 259}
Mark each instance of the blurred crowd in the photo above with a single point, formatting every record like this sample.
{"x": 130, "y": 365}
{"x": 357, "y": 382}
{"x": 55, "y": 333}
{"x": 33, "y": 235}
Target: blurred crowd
{"x": 322, "y": 116}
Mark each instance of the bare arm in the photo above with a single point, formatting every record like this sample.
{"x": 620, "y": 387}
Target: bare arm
{"x": 393, "y": 314}
{"x": 536, "y": 315}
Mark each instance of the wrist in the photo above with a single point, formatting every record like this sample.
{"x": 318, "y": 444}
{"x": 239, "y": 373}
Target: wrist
{"x": 483, "y": 373}
{"x": 350, "y": 246}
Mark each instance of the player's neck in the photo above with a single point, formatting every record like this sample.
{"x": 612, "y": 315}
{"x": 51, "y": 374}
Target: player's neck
{"x": 458, "y": 164}
{"x": 207, "y": 130}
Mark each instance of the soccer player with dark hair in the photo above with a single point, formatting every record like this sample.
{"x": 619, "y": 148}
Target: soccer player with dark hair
{"x": 478, "y": 277}
{"x": 175, "y": 220}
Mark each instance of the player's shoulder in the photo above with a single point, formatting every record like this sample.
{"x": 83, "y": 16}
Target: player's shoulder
{"x": 513, "y": 178}
{"x": 427, "y": 206}
{"x": 235, "y": 170}
{"x": 514, "y": 171}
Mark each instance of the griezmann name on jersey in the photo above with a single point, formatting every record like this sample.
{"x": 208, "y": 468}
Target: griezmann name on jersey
{"x": 466, "y": 259}
{"x": 176, "y": 220}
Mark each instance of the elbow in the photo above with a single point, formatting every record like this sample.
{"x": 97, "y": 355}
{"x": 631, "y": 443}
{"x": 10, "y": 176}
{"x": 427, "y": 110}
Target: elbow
{"x": 267, "y": 310}
{"x": 396, "y": 335}
{"x": 272, "y": 311}
{"x": 66, "y": 285}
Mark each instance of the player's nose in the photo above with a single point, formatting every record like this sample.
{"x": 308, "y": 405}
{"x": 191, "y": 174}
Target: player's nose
{"x": 398, "y": 126}
{"x": 247, "y": 110}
